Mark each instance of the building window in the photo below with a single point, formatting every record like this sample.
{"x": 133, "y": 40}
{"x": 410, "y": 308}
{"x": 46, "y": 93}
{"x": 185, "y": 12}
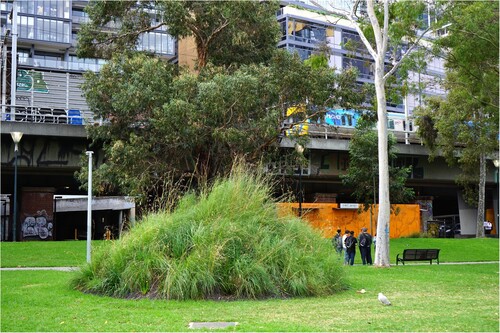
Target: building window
{"x": 45, "y": 59}
{"x": 27, "y": 7}
{"x": 53, "y": 8}
{"x": 79, "y": 16}
{"x": 305, "y": 32}
{"x": 156, "y": 42}
{"x": 352, "y": 42}
{"x": 52, "y": 30}
{"x": 23, "y": 56}
{"x": 26, "y": 27}
{"x": 303, "y": 52}
{"x": 364, "y": 66}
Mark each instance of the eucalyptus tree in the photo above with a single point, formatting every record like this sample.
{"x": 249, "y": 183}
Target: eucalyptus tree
{"x": 224, "y": 32}
{"x": 362, "y": 173}
{"x": 464, "y": 125}
{"x": 387, "y": 29}
{"x": 191, "y": 126}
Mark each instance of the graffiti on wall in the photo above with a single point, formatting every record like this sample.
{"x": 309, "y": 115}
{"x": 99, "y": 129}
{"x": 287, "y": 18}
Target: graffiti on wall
{"x": 38, "y": 226}
{"x": 44, "y": 152}
{"x": 31, "y": 81}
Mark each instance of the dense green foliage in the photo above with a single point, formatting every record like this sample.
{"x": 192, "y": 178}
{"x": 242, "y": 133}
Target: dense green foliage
{"x": 228, "y": 242}
{"x": 468, "y": 117}
{"x": 225, "y": 32}
{"x": 464, "y": 125}
{"x": 170, "y": 126}
{"x": 362, "y": 174}
{"x": 168, "y": 130}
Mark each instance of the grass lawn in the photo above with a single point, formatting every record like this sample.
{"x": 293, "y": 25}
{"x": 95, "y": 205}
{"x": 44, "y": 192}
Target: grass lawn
{"x": 425, "y": 297}
{"x": 73, "y": 253}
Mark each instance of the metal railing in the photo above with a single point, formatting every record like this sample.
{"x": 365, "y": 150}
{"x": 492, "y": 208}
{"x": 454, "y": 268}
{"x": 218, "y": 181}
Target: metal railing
{"x": 322, "y": 131}
{"x": 47, "y": 115}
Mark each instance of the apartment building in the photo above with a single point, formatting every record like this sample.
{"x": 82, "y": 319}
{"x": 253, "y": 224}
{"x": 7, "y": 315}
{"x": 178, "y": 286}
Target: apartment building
{"x": 41, "y": 98}
{"x": 44, "y": 101}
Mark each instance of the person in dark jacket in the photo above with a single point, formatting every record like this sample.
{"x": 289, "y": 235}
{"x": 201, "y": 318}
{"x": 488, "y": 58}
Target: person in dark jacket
{"x": 350, "y": 246}
{"x": 365, "y": 242}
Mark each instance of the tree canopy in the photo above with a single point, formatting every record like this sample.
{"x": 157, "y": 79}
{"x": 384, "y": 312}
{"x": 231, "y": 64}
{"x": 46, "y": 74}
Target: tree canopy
{"x": 389, "y": 30}
{"x": 193, "y": 125}
{"x": 464, "y": 125}
{"x": 224, "y": 32}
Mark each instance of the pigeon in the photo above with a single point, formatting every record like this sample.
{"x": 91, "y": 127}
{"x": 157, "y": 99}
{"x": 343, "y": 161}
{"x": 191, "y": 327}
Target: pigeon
{"x": 383, "y": 299}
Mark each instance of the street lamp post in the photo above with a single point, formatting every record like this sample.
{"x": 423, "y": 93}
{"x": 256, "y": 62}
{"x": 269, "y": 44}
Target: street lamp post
{"x": 300, "y": 150}
{"x": 89, "y": 205}
{"x": 16, "y": 137}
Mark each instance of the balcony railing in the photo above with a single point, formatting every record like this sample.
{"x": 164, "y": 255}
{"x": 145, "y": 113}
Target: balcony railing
{"x": 46, "y": 115}
{"x": 59, "y": 64}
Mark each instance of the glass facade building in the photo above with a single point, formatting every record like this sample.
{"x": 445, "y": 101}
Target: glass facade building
{"x": 305, "y": 29}
{"x": 47, "y": 32}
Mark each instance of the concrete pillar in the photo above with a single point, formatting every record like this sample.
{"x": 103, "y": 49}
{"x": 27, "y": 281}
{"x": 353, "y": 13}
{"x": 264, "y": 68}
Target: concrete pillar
{"x": 468, "y": 217}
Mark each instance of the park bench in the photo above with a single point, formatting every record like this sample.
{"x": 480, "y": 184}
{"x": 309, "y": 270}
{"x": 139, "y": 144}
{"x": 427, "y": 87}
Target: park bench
{"x": 418, "y": 255}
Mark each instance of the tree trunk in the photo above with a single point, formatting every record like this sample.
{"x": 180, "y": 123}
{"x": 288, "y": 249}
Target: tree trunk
{"x": 202, "y": 50}
{"x": 480, "y": 203}
{"x": 384, "y": 210}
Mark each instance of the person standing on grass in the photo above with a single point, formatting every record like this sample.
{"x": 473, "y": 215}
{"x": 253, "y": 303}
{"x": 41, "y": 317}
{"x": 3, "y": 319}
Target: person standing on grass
{"x": 350, "y": 248}
{"x": 365, "y": 242}
{"x": 346, "y": 234}
{"x": 337, "y": 242}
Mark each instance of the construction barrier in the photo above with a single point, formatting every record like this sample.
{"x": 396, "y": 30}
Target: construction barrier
{"x": 328, "y": 217}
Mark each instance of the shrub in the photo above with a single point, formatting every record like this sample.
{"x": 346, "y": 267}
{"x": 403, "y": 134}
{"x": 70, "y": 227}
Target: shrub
{"x": 224, "y": 243}
{"x": 418, "y": 234}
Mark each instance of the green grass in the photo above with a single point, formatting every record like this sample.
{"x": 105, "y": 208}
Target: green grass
{"x": 40, "y": 254}
{"x": 228, "y": 241}
{"x": 73, "y": 253}
{"x": 452, "y": 249}
{"x": 426, "y": 298}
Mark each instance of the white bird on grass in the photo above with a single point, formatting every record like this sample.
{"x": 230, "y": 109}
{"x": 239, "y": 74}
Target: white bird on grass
{"x": 384, "y": 300}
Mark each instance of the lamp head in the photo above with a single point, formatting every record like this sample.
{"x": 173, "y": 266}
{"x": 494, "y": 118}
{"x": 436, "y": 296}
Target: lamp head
{"x": 16, "y": 136}
{"x": 496, "y": 163}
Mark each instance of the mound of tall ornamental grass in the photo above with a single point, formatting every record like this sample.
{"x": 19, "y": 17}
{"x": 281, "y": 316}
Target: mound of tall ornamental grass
{"x": 226, "y": 243}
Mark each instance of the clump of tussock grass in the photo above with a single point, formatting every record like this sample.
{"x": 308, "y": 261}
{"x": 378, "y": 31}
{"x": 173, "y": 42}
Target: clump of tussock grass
{"x": 227, "y": 242}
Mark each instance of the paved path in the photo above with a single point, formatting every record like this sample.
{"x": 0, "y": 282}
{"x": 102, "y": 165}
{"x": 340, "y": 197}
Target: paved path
{"x": 450, "y": 263}
{"x": 64, "y": 269}
{"x": 70, "y": 269}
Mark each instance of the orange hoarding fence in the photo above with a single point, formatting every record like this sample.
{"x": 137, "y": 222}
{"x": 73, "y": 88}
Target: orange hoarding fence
{"x": 328, "y": 217}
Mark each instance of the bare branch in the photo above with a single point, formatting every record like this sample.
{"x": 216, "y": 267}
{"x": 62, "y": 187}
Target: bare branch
{"x": 355, "y": 8}
{"x": 134, "y": 33}
{"x": 212, "y": 35}
{"x": 377, "y": 31}
{"x": 385, "y": 35}
{"x": 397, "y": 64}
{"x": 351, "y": 18}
